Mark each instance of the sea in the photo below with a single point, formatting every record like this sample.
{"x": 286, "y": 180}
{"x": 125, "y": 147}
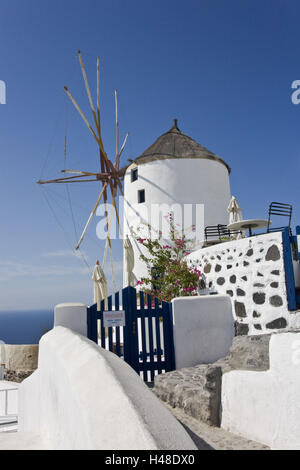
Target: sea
{"x": 25, "y": 326}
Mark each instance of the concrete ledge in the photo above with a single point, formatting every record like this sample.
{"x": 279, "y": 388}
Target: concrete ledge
{"x": 84, "y": 397}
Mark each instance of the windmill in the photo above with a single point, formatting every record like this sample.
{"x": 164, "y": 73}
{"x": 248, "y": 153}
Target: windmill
{"x": 109, "y": 174}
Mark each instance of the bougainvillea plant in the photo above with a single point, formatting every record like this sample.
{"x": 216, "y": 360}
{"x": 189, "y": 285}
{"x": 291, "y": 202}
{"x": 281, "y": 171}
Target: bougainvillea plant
{"x": 169, "y": 275}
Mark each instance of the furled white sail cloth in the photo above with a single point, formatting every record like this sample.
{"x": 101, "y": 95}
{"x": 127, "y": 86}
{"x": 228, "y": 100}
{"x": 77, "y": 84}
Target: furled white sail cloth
{"x": 100, "y": 286}
{"x": 235, "y": 211}
{"x": 235, "y": 214}
{"x": 129, "y": 277}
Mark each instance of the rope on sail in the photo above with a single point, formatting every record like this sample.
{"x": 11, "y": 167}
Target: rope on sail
{"x": 69, "y": 243}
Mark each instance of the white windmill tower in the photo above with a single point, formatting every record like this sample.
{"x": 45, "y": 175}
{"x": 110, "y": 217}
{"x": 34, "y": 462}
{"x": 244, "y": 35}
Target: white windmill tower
{"x": 175, "y": 169}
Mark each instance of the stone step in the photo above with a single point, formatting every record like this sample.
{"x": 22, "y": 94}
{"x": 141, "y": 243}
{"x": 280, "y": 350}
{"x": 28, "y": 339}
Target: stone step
{"x": 197, "y": 390}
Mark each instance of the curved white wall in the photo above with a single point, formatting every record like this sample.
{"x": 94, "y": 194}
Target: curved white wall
{"x": 84, "y": 397}
{"x": 177, "y": 180}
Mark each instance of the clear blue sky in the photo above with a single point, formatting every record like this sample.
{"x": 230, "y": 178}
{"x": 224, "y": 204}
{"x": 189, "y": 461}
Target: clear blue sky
{"x": 224, "y": 68}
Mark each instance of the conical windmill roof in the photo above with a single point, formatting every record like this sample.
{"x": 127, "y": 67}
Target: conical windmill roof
{"x": 175, "y": 144}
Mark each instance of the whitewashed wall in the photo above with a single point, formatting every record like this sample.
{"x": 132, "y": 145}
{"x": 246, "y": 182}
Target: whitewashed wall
{"x": 72, "y": 316}
{"x": 176, "y": 181}
{"x": 203, "y": 329}
{"x": 251, "y": 271}
{"x": 84, "y": 397}
{"x": 265, "y": 406}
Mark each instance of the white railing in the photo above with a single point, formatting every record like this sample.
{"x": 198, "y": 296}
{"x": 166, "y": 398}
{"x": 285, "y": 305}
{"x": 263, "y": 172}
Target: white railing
{"x": 7, "y": 417}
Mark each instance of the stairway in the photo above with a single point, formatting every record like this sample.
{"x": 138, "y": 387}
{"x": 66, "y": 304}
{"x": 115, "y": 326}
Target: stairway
{"x": 197, "y": 390}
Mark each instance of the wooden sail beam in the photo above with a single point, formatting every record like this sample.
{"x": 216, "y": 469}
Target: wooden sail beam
{"x": 60, "y": 180}
{"x": 97, "y": 121}
{"x": 117, "y": 128}
{"x": 81, "y": 114}
{"x": 121, "y": 150}
{"x": 70, "y": 179}
{"x": 90, "y": 217}
{"x": 85, "y": 173}
{"x": 98, "y": 90}
{"x": 99, "y": 142}
{"x": 87, "y": 87}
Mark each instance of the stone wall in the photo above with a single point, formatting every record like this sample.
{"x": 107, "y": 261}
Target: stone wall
{"x": 251, "y": 271}
{"x": 18, "y": 361}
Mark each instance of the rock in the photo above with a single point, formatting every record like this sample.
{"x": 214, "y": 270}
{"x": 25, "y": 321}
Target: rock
{"x": 16, "y": 376}
{"x": 273, "y": 253}
{"x": 274, "y": 284}
{"x": 259, "y": 298}
{"x": 276, "y": 301}
{"x": 240, "y": 309}
{"x": 241, "y": 329}
{"x": 278, "y": 323}
{"x": 240, "y": 292}
{"x": 207, "y": 268}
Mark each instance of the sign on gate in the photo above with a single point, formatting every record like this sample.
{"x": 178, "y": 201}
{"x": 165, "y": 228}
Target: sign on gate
{"x": 114, "y": 318}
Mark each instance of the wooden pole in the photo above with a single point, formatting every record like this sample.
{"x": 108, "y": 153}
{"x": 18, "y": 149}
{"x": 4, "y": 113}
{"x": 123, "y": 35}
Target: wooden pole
{"x": 91, "y": 216}
{"x": 117, "y": 125}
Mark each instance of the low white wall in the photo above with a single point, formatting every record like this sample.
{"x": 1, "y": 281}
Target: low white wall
{"x": 84, "y": 397}
{"x": 71, "y": 315}
{"x": 265, "y": 406}
{"x": 203, "y": 329}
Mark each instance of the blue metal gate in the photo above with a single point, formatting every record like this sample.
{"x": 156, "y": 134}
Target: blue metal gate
{"x": 291, "y": 251}
{"x": 146, "y": 340}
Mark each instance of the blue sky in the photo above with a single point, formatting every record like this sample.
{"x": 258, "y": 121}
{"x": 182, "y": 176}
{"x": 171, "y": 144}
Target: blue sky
{"x": 224, "y": 68}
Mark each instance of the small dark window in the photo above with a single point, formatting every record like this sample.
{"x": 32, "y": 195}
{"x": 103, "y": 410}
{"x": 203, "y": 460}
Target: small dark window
{"x": 141, "y": 196}
{"x": 134, "y": 175}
